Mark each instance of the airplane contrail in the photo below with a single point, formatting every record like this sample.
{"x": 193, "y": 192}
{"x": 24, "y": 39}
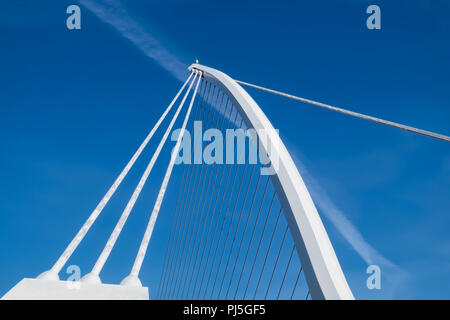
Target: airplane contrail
{"x": 344, "y": 226}
{"x": 113, "y": 13}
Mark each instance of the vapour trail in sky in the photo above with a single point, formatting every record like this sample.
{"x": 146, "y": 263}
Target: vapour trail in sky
{"x": 113, "y": 13}
{"x": 394, "y": 274}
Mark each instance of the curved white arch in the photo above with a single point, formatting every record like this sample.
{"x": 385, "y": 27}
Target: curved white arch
{"x": 322, "y": 269}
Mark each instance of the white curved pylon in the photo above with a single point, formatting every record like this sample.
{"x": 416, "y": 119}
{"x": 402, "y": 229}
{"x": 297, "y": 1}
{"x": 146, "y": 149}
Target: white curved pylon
{"x": 321, "y": 267}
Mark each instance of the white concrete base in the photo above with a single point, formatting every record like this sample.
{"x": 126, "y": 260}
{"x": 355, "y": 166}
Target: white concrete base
{"x": 39, "y": 289}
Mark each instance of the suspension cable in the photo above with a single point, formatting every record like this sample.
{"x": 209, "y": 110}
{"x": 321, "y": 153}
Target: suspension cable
{"x": 251, "y": 238}
{"x": 286, "y": 271}
{"x": 222, "y": 226}
{"x": 296, "y": 282}
{"x": 235, "y": 231}
{"x": 259, "y": 244}
{"x": 196, "y": 204}
{"x": 180, "y": 200}
{"x": 187, "y": 220}
{"x": 118, "y": 228}
{"x": 148, "y": 232}
{"x": 90, "y": 221}
{"x": 191, "y": 225}
{"x": 203, "y": 229}
{"x": 174, "y": 253}
{"x": 267, "y": 253}
{"x": 195, "y": 237}
{"x": 206, "y": 238}
{"x": 352, "y": 113}
{"x": 276, "y": 261}
{"x": 183, "y": 221}
{"x": 215, "y": 228}
{"x": 172, "y": 231}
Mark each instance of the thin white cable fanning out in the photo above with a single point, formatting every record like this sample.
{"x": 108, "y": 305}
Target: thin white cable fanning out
{"x": 154, "y": 215}
{"x": 123, "y": 218}
{"x": 53, "y": 272}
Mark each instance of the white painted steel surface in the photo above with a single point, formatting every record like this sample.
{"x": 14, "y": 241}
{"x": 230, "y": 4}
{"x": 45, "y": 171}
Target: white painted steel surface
{"x": 40, "y": 289}
{"x": 322, "y": 269}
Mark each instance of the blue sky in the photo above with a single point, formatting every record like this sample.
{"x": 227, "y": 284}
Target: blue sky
{"x": 74, "y": 105}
